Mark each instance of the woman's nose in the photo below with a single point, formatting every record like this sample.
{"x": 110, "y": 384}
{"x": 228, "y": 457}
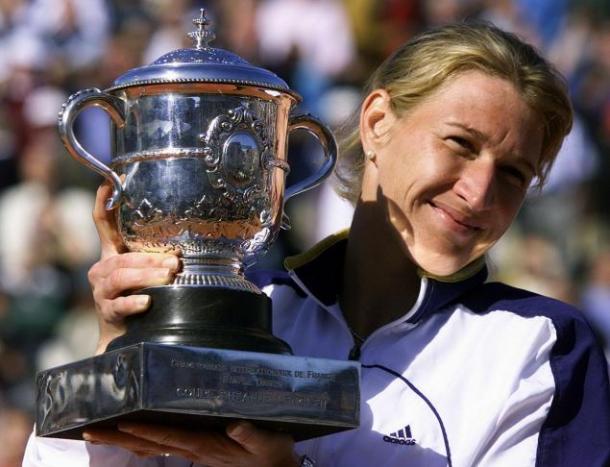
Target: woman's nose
{"x": 476, "y": 184}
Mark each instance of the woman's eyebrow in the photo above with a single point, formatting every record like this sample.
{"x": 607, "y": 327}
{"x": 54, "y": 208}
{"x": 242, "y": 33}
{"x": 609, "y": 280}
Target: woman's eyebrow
{"x": 468, "y": 129}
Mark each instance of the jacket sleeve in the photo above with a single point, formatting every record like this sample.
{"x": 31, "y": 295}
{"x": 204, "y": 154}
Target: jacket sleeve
{"x": 577, "y": 428}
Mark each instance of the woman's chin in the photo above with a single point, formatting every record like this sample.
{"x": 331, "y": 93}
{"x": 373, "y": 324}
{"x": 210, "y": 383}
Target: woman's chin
{"x": 442, "y": 265}
{"x": 442, "y": 260}
{"x": 440, "y": 272}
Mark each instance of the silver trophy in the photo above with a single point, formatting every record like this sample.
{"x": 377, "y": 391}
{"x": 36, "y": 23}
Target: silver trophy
{"x": 199, "y": 162}
{"x": 199, "y": 158}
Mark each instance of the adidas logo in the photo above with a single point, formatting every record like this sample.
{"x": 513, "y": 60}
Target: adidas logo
{"x": 402, "y": 436}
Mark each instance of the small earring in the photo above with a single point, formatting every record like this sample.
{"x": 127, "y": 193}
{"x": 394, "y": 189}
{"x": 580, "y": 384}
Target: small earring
{"x": 370, "y": 155}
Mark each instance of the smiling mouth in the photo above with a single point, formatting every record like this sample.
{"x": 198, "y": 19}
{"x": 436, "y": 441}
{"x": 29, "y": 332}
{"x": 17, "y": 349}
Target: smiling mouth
{"x": 457, "y": 217}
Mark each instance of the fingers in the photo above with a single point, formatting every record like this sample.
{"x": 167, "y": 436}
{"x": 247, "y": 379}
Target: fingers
{"x": 114, "y": 311}
{"x": 113, "y": 277}
{"x": 123, "y": 280}
{"x": 110, "y": 264}
{"x": 198, "y": 444}
{"x": 249, "y": 437}
{"x": 118, "y": 274}
{"x": 259, "y": 442}
{"x": 245, "y": 444}
{"x": 141, "y": 447}
{"x": 105, "y": 222}
{"x": 113, "y": 308}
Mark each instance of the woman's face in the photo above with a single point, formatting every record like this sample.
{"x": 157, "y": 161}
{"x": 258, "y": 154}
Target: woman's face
{"x": 454, "y": 170}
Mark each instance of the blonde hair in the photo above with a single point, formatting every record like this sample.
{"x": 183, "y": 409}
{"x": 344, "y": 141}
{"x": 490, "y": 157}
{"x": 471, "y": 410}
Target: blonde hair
{"x": 422, "y": 65}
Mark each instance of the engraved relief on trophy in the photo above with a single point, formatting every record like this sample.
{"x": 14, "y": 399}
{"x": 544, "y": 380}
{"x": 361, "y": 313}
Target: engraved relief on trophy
{"x": 123, "y": 379}
{"x": 241, "y": 156}
{"x": 146, "y": 213}
{"x": 48, "y": 385}
{"x": 234, "y": 145}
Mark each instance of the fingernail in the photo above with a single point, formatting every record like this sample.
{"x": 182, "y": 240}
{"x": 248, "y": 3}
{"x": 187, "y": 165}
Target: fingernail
{"x": 87, "y": 437}
{"x": 163, "y": 274}
{"x": 170, "y": 263}
{"x": 125, "y": 427}
{"x": 142, "y": 301}
{"x": 237, "y": 430}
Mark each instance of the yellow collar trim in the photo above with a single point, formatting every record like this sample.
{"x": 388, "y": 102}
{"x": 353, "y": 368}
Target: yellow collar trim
{"x": 293, "y": 262}
{"x": 296, "y": 261}
{"x": 465, "y": 273}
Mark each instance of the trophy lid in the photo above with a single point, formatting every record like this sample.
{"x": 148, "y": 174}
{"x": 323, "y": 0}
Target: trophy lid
{"x": 201, "y": 64}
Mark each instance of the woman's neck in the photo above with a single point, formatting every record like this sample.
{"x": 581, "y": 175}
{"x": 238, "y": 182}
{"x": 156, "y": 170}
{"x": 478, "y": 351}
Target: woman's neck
{"x": 380, "y": 282}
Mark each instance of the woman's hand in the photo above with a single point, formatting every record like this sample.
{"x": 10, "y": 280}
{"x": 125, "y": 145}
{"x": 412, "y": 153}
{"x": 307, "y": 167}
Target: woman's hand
{"x": 117, "y": 272}
{"x": 243, "y": 445}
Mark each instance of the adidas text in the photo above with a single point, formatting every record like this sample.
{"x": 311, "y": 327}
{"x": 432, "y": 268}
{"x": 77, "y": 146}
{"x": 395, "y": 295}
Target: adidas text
{"x": 408, "y": 442}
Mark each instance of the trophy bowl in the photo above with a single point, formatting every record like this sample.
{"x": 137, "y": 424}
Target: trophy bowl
{"x": 198, "y": 167}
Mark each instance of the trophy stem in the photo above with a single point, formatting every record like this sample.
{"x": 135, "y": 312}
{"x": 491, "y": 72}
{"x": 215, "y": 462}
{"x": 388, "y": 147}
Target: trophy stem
{"x": 214, "y": 272}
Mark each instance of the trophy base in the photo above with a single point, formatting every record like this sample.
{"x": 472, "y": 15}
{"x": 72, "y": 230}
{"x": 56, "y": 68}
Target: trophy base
{"x": 199, "y": 389}
{"x": 211, "y": 317}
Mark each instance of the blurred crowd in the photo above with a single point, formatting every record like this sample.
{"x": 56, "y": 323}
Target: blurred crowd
{"x": 324, "y": 49}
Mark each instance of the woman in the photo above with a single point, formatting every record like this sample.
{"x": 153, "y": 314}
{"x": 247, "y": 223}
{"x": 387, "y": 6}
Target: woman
{"x": 454, "y": 128}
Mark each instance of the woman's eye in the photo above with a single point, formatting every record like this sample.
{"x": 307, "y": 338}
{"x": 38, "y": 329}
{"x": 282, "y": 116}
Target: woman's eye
{"x": 462, "y": 143}
{"x": 515, "y": 176}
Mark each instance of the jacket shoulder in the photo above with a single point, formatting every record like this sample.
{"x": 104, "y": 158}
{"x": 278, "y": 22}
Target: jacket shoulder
{"x": 272, "y": 280}
{"x": 498, "y": 296}
{"x": 579, "y": 415}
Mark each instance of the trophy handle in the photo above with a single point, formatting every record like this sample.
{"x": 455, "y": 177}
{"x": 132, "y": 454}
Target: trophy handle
{"x": 326, "y": 139}
{"x": 70, "y": 110}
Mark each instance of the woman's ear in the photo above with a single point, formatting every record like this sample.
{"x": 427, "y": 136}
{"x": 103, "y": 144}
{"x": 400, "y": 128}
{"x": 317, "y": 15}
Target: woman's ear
{"x": 376, "y": 119}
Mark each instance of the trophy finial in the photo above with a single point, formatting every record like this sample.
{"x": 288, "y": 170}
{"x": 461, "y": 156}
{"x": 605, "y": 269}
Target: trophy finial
{"x": 204, "y": 34}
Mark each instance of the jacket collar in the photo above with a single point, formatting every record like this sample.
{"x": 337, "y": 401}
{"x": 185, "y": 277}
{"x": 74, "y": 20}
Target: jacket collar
{"x": 319, "y": 272}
